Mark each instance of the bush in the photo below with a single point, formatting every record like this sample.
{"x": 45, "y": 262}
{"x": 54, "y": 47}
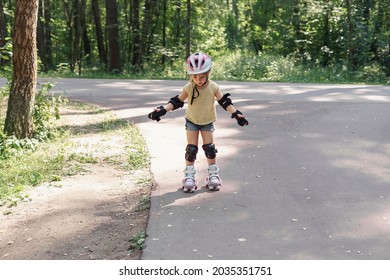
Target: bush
{"x": 270, "y": 68}
{"x": 46, "y": 108}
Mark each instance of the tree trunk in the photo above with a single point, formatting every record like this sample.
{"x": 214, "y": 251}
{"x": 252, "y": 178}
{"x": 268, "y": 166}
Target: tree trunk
{"x": 164, "y": 32}
{"x": 114, "y": 58}
{"x": 76, "y": 54}
{"x": 137, "y": 50}
{"x": 299, "y": 37}
{"x": 3, "y": 32}
{"x": 352, "y": 64}
{"x": 387, "y": 59}
{"x": 19, "y": 120}
{"x": 178, "y": 24}
{"x": 326, "y": 34}
{"x": 84, "y": 32}
{"x": 188, "y": 30}
{"x": 68, "y": 14}
{"x": 146, "y": 25}
{"x": 44, "y": 35}
{"x": 99, "y": 33}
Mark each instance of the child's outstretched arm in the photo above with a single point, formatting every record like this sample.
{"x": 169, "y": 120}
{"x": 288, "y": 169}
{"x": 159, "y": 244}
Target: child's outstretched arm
{"x": 227, "y": 104}
{"x": 174, "y": 103}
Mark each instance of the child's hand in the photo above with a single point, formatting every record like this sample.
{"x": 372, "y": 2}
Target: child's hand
{"x": 157, "y": 113}
{"x": 240, "y": 118}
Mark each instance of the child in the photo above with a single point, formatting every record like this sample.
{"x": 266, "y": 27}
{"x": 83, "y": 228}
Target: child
{"x": 201, "y": 94}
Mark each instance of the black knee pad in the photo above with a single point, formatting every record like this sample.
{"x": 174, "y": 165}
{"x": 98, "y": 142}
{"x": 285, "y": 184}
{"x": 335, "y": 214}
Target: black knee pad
{"x": 210, "y": 150}
{"x": 191, "y": 151}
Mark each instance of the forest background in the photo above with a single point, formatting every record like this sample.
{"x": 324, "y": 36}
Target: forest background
{"x": 338, "y": 41}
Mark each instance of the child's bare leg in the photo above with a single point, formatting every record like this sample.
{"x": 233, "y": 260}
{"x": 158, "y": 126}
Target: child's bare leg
{"x": 207, "y": 137}
{"x": 214, "y": 182}
{"x": 189, "y": 182}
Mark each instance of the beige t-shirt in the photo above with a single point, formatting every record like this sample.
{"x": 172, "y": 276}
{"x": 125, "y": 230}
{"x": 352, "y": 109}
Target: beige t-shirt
{"x": 202, "y": 110}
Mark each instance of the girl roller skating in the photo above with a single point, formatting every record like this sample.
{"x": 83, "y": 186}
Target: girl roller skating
{"x": 200, "y": 93}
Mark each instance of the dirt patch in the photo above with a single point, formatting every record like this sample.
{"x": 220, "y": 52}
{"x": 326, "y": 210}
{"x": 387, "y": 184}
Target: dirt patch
{"x": 91, "y": 215}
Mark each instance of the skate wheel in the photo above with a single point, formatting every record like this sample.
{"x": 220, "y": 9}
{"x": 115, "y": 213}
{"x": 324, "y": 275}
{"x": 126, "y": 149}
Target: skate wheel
{"x": 212, "y": 188}
{"x": 187, "y": 190}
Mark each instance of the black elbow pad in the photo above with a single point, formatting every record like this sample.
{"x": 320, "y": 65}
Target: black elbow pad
{"x": 176, "y": 102}
{"x": 225, "y": 101}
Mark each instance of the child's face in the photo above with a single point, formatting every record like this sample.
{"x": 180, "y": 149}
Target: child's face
{"x": 200, "y": 79}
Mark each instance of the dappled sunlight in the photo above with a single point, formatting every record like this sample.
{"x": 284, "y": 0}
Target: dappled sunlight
{"x": 372, "y": 226}
{"x": 312, "y": 135}
{"x": 283, "y": 112}
{"x": 311, "y": 92}
{"x": 334, "y": 97}
{"x": 130, "y": 113}
{"x": 253, "y": 107}
{"x": 355, "y": 93}
{"x": 362, "y": 156}
{"x": 143, "y": 87}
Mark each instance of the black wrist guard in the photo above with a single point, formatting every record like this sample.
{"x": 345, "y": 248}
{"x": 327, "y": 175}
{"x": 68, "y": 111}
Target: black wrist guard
{"x": 156, "y": 116}
{"x": 241, "y": 121}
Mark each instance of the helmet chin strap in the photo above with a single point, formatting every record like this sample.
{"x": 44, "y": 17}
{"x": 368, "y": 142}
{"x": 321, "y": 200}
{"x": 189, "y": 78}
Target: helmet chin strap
{"x": 193, "y": 93}
{"x": 196, "y": 89}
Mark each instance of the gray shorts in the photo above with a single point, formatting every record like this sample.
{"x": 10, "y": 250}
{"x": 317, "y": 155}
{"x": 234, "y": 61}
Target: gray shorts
{"x": 190, "y": 126}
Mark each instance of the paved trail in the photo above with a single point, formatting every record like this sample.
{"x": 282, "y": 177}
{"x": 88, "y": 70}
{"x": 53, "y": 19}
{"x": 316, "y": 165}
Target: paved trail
{"x": 309, "y": 178}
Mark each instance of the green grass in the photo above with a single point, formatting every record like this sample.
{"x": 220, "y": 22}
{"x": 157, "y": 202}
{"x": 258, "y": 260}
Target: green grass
{"x": 137, "y": 241}
{"x": 32, "y": 168}
{"x": 51, "y": 160}
{"x": 137, "y": 150}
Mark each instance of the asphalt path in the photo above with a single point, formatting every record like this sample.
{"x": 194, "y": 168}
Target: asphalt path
{"x": 309, "y": 178}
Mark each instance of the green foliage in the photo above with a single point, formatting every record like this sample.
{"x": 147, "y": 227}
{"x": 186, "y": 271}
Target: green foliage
{"x": 277, "y": 68}
{"x": 27, "y": 162}
{"x": 23, "y": 168}
{"x": 138, "y": 153}
{"x": 5, "y": 68}
{"x": 11, "y": 146}
{"x": 138, "y": 241}
{"x": 45, "y": 110}
{"x": 144, "y": 203}
{"x": 264, "y": 38}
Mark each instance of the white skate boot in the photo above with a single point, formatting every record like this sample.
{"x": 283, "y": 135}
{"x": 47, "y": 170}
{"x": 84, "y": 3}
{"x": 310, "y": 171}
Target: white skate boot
{"x": 189, "y": 182}
{"x": 213, "y": 182}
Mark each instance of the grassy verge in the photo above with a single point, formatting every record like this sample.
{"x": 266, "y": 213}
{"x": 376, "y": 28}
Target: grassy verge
{"x": 60, "y": 156}
{"x": 32, "y": 168}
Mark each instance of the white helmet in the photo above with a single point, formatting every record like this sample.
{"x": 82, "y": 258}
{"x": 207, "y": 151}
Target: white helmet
{"x": 198, "y": 63}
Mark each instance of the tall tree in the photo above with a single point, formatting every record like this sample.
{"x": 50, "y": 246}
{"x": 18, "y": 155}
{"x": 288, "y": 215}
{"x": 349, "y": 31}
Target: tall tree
{"x": 146, "y": 26}
{"x": 3, "y": 32}
{"x": 351, "y": 39}
{"x": 76, "y": 53}
{"x": 136, "y": 28}
{"x": 326, "y": 33}
{"x": 114, "y": 56}
{"x": 44, "y": 35}
{"x": 188, "y": 29}
{"x": 164, "y": 32}
{"x": 99, "y": 33}
{"x": 387, "y": 27}
{"x": 19, "y": 119}
{"x": 84, "y": 32}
